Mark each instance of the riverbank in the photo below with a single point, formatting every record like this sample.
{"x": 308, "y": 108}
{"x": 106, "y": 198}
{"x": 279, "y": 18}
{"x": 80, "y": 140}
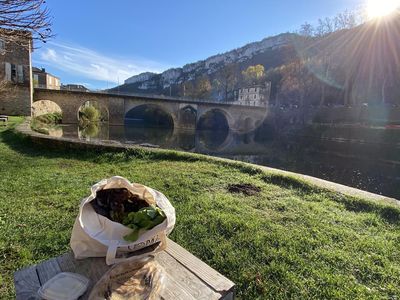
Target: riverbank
{"x": 367, "y": 158}
{"x": 292, "y": 240}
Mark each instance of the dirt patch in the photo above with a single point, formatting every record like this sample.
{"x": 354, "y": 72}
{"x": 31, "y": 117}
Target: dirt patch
{"x": 244, "y": 188}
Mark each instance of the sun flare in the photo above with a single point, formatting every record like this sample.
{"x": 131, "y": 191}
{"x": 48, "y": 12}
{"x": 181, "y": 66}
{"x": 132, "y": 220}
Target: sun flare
{"x": 381, "y": 8}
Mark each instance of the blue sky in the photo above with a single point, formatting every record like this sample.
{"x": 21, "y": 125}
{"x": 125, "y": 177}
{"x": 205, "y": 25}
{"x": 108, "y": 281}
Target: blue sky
{"x": 100, "y": 43}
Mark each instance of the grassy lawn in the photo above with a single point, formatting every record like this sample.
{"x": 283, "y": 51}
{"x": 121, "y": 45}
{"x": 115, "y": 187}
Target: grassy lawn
{"x": 292, "y": 241}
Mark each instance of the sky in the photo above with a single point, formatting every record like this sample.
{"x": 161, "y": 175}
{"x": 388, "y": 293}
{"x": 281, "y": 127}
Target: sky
{"x": 100, "y": 43}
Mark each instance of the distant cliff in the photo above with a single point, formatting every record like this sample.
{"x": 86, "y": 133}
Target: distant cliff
{"x": 270, "y": 52}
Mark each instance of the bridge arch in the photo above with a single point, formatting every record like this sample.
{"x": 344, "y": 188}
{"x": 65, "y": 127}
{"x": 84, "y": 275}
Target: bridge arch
{"x": 42, "y": 107}
{"x": 187, "y": 117}
{"x": 102, "y": 109}
{"x": 215, "y": 118}
{"x": 151, "y": 115}
{"x": 249, "y": 124}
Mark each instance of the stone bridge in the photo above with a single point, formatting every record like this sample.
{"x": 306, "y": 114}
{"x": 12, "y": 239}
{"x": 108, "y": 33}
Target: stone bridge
{"x": 238, "y": 117}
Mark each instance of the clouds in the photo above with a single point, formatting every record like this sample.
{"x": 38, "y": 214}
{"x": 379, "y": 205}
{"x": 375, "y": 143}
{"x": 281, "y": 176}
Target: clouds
{"x": 83, "y": 63}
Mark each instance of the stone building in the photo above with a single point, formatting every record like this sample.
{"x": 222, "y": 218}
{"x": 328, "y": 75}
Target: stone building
{"x": 257, "y": 95}
{"x": 16, "y": 89}
{"x": 44, "y": 80}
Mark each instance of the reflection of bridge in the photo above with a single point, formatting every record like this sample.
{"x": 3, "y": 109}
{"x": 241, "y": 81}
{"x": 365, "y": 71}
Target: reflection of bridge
{"x": 238, "y": 117}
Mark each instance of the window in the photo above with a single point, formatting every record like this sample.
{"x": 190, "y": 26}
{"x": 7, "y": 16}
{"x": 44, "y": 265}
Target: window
{"x": 13, "y": 73}
{"x": 20, "y": 74}
{"x": 8, "y": 71}
{"x": 2, "y": 45}
{"x": 35, "y": 80}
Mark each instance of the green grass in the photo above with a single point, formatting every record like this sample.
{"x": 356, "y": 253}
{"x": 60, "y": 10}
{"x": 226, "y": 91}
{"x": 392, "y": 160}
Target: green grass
{"x": 292, "y": 241}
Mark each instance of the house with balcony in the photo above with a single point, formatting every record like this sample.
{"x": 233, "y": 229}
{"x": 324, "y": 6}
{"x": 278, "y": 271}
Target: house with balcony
{"x": 45, "y": 80}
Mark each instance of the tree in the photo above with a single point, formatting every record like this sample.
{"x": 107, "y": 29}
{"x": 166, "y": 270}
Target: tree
{"x": 306, "y": 30}
{"x": 25, "y": 19}
{"x": 275, "y": 77}
{"x": 345, "y": 20}
{"x": 188, "y": 89}
{"x": 254, "y": 74}
{"x": 203, "y": 87}
{"x": 226, "y": 80}
{"x": 297, "y": 84}
{"x": 325, "y": 27}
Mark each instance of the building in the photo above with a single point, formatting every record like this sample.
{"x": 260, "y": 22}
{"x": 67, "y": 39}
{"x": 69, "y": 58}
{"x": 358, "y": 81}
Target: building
{"x": 75, "y": 87}
{"x": 44, "y": 80}
{"x": 257, "y": 95}
{"x": 16, "y": 91}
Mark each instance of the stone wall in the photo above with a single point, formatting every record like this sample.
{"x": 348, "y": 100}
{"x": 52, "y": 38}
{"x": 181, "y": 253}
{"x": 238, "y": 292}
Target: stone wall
{"x": 15, "y": 101}
{"x": 15, "y": 94}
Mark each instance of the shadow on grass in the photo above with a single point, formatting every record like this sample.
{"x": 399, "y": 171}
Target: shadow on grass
{"x": 389, "y": 214}
{"x": 290, "y": 183}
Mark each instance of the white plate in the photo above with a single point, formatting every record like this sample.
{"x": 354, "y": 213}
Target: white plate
{"x": 64, "y": 286}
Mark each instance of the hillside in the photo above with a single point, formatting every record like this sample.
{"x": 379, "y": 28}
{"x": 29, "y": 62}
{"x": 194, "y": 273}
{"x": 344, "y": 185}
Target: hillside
{"x": 349, "y": 66}
{"x": 270, "y": 52}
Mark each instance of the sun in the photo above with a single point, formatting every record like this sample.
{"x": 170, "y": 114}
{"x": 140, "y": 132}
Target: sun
{"x": 381, "y": 8}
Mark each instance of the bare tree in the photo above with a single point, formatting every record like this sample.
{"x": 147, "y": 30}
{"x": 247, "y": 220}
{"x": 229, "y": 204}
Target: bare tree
{"x": 25, "y": 19}
{"x": 345, "y": 20}
{"x": 306, "y": 30}
{"x": 325, "y": 27}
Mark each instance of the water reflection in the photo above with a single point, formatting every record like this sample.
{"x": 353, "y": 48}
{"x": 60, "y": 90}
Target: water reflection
{"x": 151, "y": 135}
{"x": 213, "y": 140}
{"x": 187, "y": 140}
{"x": 94, "y": 131}
{"x": 374, "y": 166}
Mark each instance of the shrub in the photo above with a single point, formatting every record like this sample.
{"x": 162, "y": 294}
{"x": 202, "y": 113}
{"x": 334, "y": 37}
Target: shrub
{"x": 90, "y": 113}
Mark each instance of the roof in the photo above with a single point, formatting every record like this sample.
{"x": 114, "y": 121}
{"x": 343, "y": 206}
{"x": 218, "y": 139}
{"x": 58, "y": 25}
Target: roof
{"x": 43, "y": 71}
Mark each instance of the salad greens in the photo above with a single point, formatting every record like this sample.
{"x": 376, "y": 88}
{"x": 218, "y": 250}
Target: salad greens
{"x": 144, "y": 219}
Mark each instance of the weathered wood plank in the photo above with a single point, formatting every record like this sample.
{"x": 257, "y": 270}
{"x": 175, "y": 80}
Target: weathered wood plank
{"x": 187, "y": 277}
{"x": 214, "y": 279}
{"x": 92, "y": 268}
{"x": 47, "y": 270}
{"x": 27, "y": 284}
{"x": 181, "y": 278}
{"x": 172, "y": 290}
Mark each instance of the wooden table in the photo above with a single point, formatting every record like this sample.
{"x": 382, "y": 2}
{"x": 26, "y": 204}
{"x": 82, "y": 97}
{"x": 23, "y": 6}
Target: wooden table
{"x": 187, "y": 276}
{"x": 4, "y": 119}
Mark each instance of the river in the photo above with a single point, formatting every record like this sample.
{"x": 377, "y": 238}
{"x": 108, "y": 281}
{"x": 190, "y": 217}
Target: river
{"x": 367, "y": 162}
